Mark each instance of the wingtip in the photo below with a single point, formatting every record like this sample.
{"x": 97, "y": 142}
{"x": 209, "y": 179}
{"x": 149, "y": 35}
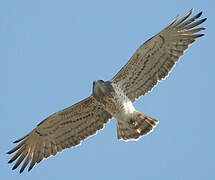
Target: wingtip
{"x": 30, "y": 168}
{"x": 198, "y": 35}
{"x": 21, "y": 170}
{"x": 191, "y": 11}
{"x": 203, "y": 20}
{"x": 14, "y": 167}
{"x": 8, "y": 152}
{"x": 199, "y": 14}
{"x": 9, "y": 162}
{"x": 18, "y": 140}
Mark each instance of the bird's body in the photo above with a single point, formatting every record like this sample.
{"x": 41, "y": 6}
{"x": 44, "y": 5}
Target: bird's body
{"x": 151, "y": 63}
{"x": 112, "y": 98}
{"x": 131, "y": 123}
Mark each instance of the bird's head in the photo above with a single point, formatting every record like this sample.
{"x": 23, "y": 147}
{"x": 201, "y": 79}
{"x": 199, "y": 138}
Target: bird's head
{"x": 101, "y": 88}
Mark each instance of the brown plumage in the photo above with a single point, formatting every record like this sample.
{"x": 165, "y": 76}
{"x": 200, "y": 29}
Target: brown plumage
{"x": 151, "y": 63}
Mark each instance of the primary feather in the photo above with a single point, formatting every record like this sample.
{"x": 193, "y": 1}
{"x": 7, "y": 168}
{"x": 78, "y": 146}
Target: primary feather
{"x": 154, "y": 60}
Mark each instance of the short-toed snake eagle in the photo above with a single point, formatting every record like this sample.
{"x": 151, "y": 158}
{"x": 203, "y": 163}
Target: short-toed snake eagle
{"x": 150, "y": 64}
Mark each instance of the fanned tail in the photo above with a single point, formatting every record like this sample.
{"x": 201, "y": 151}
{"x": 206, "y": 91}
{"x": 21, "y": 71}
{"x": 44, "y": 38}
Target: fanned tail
{"x": 138, "y": 126}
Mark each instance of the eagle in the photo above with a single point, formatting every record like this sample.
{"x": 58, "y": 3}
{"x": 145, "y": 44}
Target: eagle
{"x": 151, "y": 63}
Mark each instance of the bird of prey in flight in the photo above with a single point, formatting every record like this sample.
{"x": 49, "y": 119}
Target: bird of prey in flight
{"x": 151, "y": 63}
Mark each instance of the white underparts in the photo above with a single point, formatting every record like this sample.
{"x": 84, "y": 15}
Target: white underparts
{"x": 127, "y": 109}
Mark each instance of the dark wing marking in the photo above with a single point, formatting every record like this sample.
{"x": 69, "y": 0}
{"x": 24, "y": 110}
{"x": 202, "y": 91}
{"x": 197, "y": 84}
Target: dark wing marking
{"x": 154, "y": 60}
{"x": 64, "y": 129}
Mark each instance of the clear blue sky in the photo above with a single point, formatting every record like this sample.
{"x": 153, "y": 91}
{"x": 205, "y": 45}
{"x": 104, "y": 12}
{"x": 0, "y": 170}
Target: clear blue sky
{"x": 53, "y": 50}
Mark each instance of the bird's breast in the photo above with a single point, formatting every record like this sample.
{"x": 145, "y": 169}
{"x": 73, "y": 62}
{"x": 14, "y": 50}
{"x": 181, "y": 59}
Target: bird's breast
{"x": 117, "y": 103}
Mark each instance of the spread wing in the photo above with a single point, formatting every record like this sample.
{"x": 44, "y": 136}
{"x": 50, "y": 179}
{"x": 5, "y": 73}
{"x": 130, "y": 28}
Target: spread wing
{"x": 64, "y": 129}
{"x": 153, "y": 61}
